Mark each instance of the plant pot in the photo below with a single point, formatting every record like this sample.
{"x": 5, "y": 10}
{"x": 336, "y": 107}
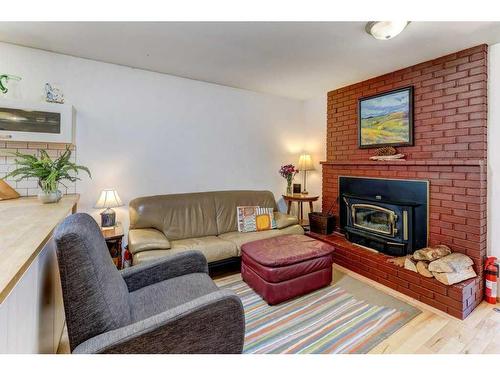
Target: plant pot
{"x": 52, "y": 197}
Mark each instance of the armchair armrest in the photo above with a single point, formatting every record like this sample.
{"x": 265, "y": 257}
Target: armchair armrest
{"x": 148, "y": 273}
{"x": 146, "y": 239}
{"x": 213, "y": 323}
{"x": 284, "y": 220}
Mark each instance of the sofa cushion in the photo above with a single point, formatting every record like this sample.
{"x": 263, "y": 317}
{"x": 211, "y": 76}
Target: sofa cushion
{"x": 241, "y": 238}
{"x": 146, "y": 239}
{"x": 212, "y": 247}
{"x": 178, "y": 216}
{"x": 285, "y": 220}
{"x": 286, "y": 250}
{"x": 227, "y": 201}
{"x": 162, "y": 296}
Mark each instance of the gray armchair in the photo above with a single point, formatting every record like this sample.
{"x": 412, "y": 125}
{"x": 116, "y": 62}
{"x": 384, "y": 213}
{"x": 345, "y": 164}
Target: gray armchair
{"x": 167, "y": 306}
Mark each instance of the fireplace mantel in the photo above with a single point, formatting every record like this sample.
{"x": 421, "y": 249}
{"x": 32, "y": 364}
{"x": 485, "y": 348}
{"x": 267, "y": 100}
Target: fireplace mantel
{"x": 410, "y": 162}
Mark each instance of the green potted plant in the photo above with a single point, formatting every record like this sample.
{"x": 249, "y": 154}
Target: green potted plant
{"x": 49, "y": 172}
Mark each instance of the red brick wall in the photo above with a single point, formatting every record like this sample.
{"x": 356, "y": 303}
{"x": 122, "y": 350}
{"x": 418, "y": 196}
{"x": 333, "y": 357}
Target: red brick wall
{"x": 450, "y": 108}
{"x": 450, "y": 96}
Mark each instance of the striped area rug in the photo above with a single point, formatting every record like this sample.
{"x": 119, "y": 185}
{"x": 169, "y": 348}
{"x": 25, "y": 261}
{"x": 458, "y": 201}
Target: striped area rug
{"x": 328, "y": 320}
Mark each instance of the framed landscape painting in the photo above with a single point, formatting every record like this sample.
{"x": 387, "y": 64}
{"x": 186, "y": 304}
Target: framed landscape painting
{"x": 386, "y": 119}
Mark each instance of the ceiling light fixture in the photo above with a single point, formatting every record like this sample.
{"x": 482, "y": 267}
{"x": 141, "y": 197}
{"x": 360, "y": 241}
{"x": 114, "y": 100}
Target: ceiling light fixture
{"x": 384, "y": 30}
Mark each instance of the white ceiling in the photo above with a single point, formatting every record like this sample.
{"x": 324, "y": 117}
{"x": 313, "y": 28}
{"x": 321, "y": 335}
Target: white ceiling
{"x": 293, "y": 59}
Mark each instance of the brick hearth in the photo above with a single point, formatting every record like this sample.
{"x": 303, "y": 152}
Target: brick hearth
{"x": 458, "y": 300}
{"x": 450, "y": 152}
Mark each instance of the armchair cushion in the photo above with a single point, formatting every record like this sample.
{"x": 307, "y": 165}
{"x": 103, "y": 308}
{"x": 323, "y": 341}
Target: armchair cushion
{"x": 165, "y": 268}
{"x": 214, "y": 323}
{"x": 159, "y": 297}
{"x": 285, "y": 220}
{"x": 146, "y": 239}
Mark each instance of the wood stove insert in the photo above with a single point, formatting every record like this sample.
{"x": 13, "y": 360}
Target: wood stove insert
{"x": 390, "y": 216}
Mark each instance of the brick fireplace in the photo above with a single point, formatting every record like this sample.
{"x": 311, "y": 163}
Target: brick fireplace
{"x": 450, "y": 117}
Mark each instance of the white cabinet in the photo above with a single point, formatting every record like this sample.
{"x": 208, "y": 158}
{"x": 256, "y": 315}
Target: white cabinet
{"x": 32, "y": 315}
{"x": 36, "y": 122}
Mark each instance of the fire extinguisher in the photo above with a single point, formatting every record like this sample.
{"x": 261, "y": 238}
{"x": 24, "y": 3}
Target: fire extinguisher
{"x": 491, "y": 275}
{"x": 127, "y": 258}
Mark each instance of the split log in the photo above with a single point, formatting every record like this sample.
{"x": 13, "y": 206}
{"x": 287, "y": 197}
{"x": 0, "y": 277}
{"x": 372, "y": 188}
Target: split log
{"x": 451, "y": 263}
{"x": 410, "y": 264}
{"x": 432, "y": 253}
{"x": 423, "y": 269}
{"x": 398, "y": 261}
{"x": 450, "y": 278}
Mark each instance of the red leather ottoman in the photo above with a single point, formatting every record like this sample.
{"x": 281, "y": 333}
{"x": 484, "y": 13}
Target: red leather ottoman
{"x": 284, "y": 267}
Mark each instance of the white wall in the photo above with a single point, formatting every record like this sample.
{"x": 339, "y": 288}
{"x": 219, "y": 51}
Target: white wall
{"x": 494, "y": 150}
{"x": 148, "y": 133}
{"x": 315, "y": 142}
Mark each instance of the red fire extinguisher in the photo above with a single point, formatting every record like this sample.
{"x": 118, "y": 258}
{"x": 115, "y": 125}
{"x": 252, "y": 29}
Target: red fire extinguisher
{"x": 491, "y": 275}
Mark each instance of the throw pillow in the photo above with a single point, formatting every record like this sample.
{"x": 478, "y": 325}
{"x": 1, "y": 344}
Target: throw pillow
{"x": 246, "y": 217}
{"x": 264, "y": 219}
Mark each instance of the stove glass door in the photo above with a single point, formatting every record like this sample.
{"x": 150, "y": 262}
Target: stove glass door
{"x": 374, "y": 219}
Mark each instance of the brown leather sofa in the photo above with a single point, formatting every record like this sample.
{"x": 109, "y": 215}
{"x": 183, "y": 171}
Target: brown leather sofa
{"x": 168, "y": 224}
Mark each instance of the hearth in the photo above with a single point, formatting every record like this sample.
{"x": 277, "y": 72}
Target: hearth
{"x": 390, "y": 216}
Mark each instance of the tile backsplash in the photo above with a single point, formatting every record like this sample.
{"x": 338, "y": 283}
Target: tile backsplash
{"x": 30, "y": 186}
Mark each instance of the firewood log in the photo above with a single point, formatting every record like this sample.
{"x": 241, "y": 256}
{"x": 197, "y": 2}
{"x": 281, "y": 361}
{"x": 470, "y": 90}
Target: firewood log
{"x": 398, "y": 261}
{"x": 450, "y": 278}
{"x": 423, "y": 269}
{"x": 410, "y": 264}
{"x": 451, "y": 263}
{"x": 431, "y": 253}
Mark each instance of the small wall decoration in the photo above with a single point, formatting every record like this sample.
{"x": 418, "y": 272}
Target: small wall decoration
{"x": 4, "y": 80}
{"x": 386, "y": 119}
{"x": 53, "y": 94}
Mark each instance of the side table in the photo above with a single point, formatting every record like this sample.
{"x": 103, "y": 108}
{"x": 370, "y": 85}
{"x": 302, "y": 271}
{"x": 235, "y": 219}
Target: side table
{"x": 114, "y": 238}
{"x": 300, "y": 199}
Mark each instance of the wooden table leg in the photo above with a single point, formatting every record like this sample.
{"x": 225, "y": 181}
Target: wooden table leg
{"x": 301, "y": 213}
{"x": 289, "y": 208}
{"x": 310, "y": 206}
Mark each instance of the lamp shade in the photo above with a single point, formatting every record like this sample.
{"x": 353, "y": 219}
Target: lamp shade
{"x": 108, "y": 199}
{"x": 305, "y": 163}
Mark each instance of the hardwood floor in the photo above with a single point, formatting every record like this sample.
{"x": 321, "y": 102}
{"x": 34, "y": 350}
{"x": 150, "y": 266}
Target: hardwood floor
{"x": 432, "y": 332}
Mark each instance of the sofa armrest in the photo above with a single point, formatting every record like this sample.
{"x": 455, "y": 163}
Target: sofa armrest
{"x": 146, "y": 239}
{"x": 213, "y": 323}
{"x": 284, "y": 220}
{"x": 168, "y": 267}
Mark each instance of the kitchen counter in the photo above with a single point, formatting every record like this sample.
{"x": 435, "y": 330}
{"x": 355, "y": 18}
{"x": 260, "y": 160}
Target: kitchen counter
{"x": 25, "y": 227}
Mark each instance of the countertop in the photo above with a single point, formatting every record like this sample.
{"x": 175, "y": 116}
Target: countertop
{"x": 25, "y": 227}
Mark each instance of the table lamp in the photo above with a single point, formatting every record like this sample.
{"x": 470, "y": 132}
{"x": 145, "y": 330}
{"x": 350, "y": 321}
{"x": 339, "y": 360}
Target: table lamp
{"x": 108, "y": 199}
{"x": 305, "y": 164}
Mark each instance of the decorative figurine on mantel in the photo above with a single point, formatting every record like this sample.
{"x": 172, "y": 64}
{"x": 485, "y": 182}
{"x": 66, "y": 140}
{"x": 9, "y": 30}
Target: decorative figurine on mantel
{"x": 4, "y": 79}
{"x": 387, "y": 153}
{"x": 53, "y": 94}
